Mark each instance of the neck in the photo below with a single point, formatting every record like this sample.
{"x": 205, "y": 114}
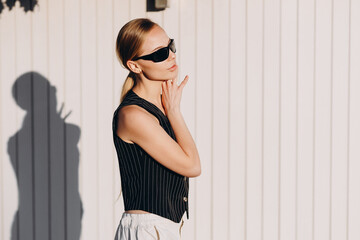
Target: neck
{"x": 149, "y": 90}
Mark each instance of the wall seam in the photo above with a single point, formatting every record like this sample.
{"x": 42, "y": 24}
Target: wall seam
{"x": 113, "y": 104}
{"x": 1, "y": 148}
{"x": 229, "y": 119}
{"x": 297, "y": 121}
{"x": 314, "y": 128}
{"x": 212, "y": 122}
{"x": 245, "y": 120}
{"x": 262, "y": 118}
{"x": 348, "y": 129}
{"x": 32, "y": 127}
{"x": 17, "y": 123}
{"x": 81, "y": 143}
{"x": 279, "y": 125}
{"x": 331, "y": 118}
{"x": 196, "y": 105}
{"x": 64, "y": 123}
{"x": 97, "y": 119}
{"x": 48, "y": 119}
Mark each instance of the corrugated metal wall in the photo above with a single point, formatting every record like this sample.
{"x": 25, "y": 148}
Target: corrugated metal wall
{"x": 273, "y": 103}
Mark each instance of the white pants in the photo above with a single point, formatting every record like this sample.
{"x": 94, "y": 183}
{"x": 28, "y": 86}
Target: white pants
{"x": 147, "y": 226}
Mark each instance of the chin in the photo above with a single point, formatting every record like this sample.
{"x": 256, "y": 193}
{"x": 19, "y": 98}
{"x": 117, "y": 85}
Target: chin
{"x": 173, "y": 74}
{"x": 168, "y": 76}
{"x": 164, "y": 75}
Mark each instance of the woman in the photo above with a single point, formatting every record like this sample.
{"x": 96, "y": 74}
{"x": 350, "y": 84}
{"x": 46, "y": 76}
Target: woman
{"x": 155, "y": 149}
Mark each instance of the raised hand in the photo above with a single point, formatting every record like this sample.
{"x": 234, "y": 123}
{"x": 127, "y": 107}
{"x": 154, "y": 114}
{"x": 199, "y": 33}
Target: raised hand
{"x": 171, "y": 94}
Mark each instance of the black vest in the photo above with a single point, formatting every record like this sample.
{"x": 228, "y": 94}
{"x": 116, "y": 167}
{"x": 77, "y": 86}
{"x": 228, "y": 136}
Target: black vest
{"x": 146, "y": 184}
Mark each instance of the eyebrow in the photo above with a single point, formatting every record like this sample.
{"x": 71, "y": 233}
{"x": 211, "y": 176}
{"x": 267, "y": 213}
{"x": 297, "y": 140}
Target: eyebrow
{"x": 161, "y": 46}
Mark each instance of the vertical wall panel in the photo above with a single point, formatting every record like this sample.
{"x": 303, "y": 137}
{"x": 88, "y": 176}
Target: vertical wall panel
{"x": 105, "y": 100}
{"x": 57, "y": 128}
{"x": 339, "y": 120}
{"x": 204, "y": 52}
{"x": 288, "y": 111}
{"x": 72, "y": 106}
{"x": 137, "y": 8}
{"x": 187, "y": 59}
{"x": 56, "y": 47}
{"x": 9, "y": 120}
{"x": 23, "y": 140}
{"x": 171, "y": 25}
{"x": 322, "y": 164}
{"x": 72, "y": 60}
{"x": 157, "y": 17}
{"x": 236, "y": 126}
{"x": 121, "y": 16}
{"x": 41, "y": 114}
{"x": 186, "y": 45}
{"x": 305, "y": 120}
{"x": 271, "y": 126}
{"x": 354, "y": 120}
{"x": 89, "y": 131}
{"x": 254, "y": 115}
{"x": 40, "y": 39}
{"x": 119, "y": 75}
{"x": 220, "y": 116}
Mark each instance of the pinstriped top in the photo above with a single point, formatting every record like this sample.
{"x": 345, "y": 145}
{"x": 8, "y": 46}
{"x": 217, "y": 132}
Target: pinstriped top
{"x": 146, "y": 184}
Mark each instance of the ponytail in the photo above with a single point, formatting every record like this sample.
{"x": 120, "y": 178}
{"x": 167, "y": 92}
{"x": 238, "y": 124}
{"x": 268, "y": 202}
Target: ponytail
{"x": 129, "y": 83}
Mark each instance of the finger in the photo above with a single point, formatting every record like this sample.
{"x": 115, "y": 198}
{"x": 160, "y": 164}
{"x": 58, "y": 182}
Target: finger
{"x": 171, "y": 84}
{"x": 164, "y": 87}
{"x": 183, "y": 83}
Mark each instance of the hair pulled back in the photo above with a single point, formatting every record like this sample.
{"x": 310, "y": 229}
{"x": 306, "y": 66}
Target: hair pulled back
{"x": 128, "y": 43}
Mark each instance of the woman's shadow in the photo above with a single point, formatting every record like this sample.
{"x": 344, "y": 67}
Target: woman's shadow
{"x": 45, "y": 159}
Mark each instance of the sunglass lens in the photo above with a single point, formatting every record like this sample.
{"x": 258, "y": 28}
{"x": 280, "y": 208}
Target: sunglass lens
{"x": 161, "y": 55}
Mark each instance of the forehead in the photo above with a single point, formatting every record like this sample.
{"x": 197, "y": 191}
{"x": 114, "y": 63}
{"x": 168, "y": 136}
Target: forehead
{"x": 156, "y": 38}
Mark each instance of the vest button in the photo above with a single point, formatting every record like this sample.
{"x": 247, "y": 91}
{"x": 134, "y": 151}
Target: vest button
{"x": 185, "y": 199}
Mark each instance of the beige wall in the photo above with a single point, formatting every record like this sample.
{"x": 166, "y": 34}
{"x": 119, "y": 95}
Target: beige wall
{"x": 273, "y": 103}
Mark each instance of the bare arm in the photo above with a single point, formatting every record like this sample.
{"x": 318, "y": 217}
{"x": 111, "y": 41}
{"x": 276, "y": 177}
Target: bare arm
{"x": 143, "y": 129}
{"x": 171, "y": 101}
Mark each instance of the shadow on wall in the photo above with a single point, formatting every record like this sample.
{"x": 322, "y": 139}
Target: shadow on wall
{"x": 45, "y": 158}
{"x": 28, "y": 5}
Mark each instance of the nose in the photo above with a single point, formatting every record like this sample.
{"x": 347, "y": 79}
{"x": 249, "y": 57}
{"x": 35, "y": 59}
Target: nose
{"x": 172, "y": 55}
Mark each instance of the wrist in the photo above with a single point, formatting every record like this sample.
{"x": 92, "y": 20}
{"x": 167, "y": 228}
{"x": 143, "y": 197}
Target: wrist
{"x": 174, "y": 111}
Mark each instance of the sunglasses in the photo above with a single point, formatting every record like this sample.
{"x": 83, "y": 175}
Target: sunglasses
{"x": 161, "y": 54}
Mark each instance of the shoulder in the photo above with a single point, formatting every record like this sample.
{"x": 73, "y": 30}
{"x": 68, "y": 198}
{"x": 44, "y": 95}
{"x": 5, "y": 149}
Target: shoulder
{"x": 73, "y": 131}
{"x": 134, "y": 122}
{"x": 134, "y": 115}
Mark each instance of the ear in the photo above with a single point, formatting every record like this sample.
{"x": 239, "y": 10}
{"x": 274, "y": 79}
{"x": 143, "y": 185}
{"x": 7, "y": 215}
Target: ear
{"x": 133, "y": 66}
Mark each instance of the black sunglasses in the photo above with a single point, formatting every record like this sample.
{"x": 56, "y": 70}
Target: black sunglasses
{"x": 161, "y": 54}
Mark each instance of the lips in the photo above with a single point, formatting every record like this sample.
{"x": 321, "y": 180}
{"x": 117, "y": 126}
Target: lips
{"x": 173, "y": 67}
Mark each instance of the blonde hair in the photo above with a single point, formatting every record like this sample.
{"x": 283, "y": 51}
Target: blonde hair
{"x": 128, "y": 43}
